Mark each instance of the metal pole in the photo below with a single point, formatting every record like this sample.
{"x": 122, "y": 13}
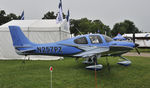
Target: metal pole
{"x": 51, "y": 79}
{"x": 60, "y": 33}
{"x": 95, "y": 76}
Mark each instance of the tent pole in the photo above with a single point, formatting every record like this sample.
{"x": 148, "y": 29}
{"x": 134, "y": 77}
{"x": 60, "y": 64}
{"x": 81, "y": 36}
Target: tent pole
{"x": 28, "y": 32}
{"x": 60, "y": 32}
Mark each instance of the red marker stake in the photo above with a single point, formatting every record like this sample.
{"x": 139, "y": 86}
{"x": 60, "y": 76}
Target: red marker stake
{"x": 51, "y": 70}
{"x": 95, "y": 77}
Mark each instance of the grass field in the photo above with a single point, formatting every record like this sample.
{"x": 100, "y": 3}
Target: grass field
{"x": 68, "y": 73}
{"x": 142, "y": 50}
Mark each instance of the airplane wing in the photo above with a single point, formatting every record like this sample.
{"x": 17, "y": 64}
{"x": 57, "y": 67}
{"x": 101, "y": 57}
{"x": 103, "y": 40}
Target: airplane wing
{"x": 88, "y": 51}
{"x": 91, "y": 51}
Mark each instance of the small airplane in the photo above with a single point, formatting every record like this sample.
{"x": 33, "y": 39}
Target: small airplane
{"x": 89, "y": 46}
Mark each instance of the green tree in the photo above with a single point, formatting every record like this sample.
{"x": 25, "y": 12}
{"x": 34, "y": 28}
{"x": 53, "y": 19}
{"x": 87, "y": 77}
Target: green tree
{"x": 74, "y": 26}
{"x": 49, "y": 15}
{"x": 12, "y": 16}
{"x": 4, "y": 18}
{"x": 85, "y": 26}
{"x": 82, "y": 25}
{"x": 2, "y": 13}
{"x": 124, "y": 27}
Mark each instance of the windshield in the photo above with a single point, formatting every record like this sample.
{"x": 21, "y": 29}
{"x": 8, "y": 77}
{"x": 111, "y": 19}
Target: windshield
{"x": 95, "y": 39}
{"x": 108, "y": 39}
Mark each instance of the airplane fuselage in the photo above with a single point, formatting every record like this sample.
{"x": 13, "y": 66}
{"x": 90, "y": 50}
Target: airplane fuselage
{"x": 68, "y": 47}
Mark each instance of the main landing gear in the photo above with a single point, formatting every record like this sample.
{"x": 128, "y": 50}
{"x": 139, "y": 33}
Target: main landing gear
{"x": 96, "y": 66}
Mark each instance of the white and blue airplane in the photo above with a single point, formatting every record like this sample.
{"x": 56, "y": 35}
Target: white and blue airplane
{"x": 89, "y": 46}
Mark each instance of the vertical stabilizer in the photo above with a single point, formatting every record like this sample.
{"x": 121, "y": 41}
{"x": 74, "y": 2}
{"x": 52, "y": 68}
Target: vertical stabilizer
{"x": 18, "y": 37}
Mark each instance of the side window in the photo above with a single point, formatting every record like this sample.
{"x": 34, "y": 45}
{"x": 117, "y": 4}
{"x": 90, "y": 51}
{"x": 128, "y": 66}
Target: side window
{"x": 95, "y": 39}
{"x": 108, "y": 39}
{"x": 81, "y": 40}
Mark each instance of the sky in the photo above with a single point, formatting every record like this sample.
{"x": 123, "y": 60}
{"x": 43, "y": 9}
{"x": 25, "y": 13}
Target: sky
{"x": 108, "y": 11}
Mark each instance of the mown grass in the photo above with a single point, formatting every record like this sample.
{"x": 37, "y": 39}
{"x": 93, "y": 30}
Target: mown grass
{"x": 142, "y": 50}
{"x": 68, "y": 73}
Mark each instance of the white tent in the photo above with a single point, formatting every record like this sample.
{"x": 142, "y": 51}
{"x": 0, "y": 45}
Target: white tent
{"x": 143, "y": 39}
{"x": 38, "y": 31}
{"x": 137, "y": 35}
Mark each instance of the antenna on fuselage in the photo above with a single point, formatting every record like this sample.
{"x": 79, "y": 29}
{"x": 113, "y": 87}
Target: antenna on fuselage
{"x": 78, "y": 31}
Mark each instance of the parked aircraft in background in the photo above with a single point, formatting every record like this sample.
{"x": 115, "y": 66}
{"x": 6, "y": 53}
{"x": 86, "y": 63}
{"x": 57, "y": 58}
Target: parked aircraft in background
{"x": 89, "y": 46}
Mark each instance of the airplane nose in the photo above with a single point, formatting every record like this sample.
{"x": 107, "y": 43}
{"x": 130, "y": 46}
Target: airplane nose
{"x": 136, "y": 45}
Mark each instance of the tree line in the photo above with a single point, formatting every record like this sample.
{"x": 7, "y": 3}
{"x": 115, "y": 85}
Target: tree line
{"x": 83, "y": 25}
{"x": 4, "y": 18}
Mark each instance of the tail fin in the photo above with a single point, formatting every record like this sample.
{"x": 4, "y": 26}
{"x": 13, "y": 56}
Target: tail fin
{"x": 18, "y": 37}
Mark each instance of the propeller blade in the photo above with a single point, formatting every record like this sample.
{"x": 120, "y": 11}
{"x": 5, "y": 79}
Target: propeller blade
{"x": 137, "y": 50}
{"x": 134, "y": 37}
{"x": 136, "y": 45}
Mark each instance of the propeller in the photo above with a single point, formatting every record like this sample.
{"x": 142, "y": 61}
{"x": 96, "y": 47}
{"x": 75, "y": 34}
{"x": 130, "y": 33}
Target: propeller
{"x": 137, "y": 50}
{"x": 133, "y": 37}
{"x": 136, "y": 45}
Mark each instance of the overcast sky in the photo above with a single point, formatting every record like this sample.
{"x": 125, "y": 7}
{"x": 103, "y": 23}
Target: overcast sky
{"x": 108, "y": 11}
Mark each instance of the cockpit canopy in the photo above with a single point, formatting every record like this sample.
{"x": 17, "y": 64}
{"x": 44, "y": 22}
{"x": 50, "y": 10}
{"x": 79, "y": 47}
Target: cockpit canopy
{"x": 108, "y": 39}
{"x": 94, "y": 39}
{"x": 81, "y": 40}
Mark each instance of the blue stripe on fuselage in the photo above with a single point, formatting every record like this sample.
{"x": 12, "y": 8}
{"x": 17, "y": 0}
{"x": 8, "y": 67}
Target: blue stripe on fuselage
{"x": 55, "y": 49}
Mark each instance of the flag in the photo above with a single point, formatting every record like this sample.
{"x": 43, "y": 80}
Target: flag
{"x": 59, "y": 18}
{"x": 22, "y": 16}
{"x": 68, "y": 21}
{"x": 60, "y": 5}
{"x": 67, "y": 17}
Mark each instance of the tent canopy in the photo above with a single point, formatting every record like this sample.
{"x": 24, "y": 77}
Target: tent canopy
{"x": 119, "y": 37}
{"x": 37, "y": 25}
{"x": 137, "y": 35}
